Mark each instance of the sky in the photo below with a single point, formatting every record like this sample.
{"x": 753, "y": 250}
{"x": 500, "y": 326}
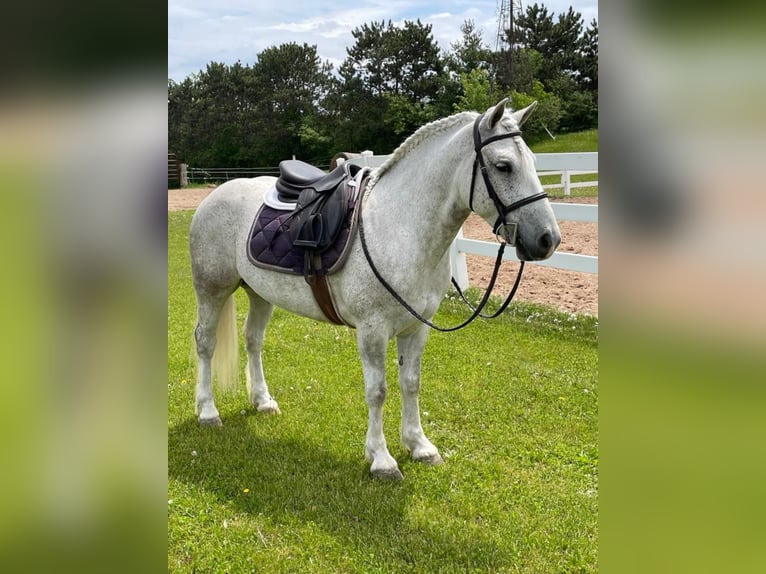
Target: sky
{"x": 201, "y": 31}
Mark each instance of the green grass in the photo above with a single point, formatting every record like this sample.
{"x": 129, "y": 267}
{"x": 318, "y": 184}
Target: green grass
{"x": 575, "y": 142}
{"x": 511, "y": 404}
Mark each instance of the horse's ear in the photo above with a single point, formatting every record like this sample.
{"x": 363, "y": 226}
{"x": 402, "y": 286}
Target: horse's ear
{"x": 497, "y": 113}
{"x": 523, "y": 115}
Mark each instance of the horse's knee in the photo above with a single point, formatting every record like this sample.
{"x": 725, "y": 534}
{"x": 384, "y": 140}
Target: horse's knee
{"x": 376, "y": 394}
{"x": 410, "y": 384}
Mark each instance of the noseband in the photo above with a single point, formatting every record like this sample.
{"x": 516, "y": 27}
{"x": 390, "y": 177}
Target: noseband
{"x": 508, "y": 230}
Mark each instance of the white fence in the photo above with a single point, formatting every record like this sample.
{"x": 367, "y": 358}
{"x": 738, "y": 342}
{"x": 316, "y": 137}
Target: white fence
{"x": 546, "y": 162}
{"x": 566, "y": 182}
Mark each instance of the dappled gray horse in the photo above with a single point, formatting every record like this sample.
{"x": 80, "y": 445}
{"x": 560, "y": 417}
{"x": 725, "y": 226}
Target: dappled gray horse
{"x": 412, "y": 209}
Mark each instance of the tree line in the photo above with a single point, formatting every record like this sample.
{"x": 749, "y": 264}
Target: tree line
{"x": 393, "y": 80}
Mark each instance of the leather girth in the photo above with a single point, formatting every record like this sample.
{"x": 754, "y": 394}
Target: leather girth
{"x": 322, "y": 295}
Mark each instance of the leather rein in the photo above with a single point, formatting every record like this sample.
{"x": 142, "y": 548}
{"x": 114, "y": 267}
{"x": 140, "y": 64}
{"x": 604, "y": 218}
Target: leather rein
{"x": 508, "y": 231}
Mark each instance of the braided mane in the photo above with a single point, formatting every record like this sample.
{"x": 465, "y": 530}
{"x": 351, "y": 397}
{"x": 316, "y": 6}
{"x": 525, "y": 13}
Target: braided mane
{"x": 421, "y": 134}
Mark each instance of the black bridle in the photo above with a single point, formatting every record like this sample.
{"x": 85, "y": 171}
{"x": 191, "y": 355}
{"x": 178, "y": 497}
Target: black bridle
{"x": 508, "y": 230}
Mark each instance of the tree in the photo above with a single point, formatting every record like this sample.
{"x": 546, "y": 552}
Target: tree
{"x": 518, "y": 68}
{"x": 389, "y": 85}
{"x": 214, "y": 135}
{"x": 391, "y": 60}
{"x": 292, "y": 82}
{"x": 469, "y": 53}
{"x": 469, "y": 56}
{"x": 393, "y": 81}
{"x": 558, "y": 43}
{"x": 477, "y": 91}
{"x": 580, "y": 112}
{"x": 238, "y": 115}
{"x": 566, "y": 41}
{"x": 559, "y": 55}
{"x": 588, "y": 62}
{"x": 179, "y": 103}
{"x": 547, "y": 113}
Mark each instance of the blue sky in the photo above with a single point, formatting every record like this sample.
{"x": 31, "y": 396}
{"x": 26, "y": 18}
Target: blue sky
{"x": 201, "y": 31}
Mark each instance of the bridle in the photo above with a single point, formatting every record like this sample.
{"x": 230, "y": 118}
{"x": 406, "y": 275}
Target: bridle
{"x": 508, "y": 237}
{"x": 508, "y": 230}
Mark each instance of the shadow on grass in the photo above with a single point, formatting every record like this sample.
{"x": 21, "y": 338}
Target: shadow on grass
{"x": 290, "y": 479}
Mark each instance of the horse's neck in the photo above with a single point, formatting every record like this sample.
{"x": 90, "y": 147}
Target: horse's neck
{"x": 419, "y": 198}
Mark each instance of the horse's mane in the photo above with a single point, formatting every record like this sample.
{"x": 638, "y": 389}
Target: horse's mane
{"x": 416, "y": 138}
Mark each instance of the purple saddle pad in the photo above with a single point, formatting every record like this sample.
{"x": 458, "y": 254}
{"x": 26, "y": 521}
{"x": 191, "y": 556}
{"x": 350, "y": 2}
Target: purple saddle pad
{"x": 269, "y": 245}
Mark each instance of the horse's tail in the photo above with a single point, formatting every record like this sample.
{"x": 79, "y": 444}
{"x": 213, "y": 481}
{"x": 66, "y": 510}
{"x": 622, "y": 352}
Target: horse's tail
{"x": 226, "y": 356}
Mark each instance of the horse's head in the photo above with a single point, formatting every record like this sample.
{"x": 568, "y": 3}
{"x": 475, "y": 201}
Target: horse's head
{"x": 506, "y": 191}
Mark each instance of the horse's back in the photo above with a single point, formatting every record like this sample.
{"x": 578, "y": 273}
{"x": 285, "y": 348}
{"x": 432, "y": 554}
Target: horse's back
{"x": 217, "y": 227}
{"x": 230, "y": 198}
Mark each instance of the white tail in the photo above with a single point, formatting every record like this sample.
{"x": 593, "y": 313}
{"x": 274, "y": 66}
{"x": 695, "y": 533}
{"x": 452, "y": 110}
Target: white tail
{"x": 226, "y": 356}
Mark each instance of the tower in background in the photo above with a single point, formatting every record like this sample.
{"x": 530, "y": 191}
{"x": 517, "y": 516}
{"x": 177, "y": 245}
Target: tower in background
{"x": 507, "y": 11}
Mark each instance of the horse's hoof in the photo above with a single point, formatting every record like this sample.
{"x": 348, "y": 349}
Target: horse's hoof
{"x": 431, "y": 460}
{"x": 214, "y": 422}
{"x": 389, "y": 474}
{"x": 270, "y": 408}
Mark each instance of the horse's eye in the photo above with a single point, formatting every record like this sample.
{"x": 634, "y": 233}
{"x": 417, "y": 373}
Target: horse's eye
{"x": 503, "y": 166}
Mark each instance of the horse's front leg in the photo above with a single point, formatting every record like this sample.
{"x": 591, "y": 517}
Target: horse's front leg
{"x": 413, "y": 438}
{"x": 372, "y": 349}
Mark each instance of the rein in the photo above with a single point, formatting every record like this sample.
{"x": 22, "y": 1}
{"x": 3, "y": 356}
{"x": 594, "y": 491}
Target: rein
{"x": 509, "y": 232}
{"x": 476, "y": 311}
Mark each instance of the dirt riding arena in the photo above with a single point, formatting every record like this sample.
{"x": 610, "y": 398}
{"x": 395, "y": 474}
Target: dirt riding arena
{"x": 565, "y": 290}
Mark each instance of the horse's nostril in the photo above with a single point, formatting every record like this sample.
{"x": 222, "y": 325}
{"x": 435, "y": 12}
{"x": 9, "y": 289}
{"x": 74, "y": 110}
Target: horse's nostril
{"x": 545, "y": 241}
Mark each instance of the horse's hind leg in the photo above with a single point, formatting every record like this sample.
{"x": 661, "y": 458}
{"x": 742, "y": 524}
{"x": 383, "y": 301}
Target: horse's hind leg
{"x": 209, "y": 311}
{"x": 255, "y": 329}
{"x": 410, "y": 349}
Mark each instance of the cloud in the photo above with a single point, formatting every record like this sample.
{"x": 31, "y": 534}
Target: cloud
{"x": 201, "y": 31}
{"x": 299, "y": 27}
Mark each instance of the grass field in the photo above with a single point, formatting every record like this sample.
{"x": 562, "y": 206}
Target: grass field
{"x": 511, "y": 403}
{"x": 564, "y": 143}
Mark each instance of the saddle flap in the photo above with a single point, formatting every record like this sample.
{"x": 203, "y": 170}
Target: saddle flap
{"x": 318, "y": 217}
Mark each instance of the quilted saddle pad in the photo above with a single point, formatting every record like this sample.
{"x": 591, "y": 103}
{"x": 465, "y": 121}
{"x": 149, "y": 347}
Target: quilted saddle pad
{"x": 269, "y": 245}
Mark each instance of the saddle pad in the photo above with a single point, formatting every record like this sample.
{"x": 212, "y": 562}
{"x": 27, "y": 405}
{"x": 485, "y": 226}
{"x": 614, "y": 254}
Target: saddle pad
{"x": 269, "y": 244}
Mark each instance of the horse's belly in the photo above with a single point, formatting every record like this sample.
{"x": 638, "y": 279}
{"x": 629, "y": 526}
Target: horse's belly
{"x": 289, "y": 292}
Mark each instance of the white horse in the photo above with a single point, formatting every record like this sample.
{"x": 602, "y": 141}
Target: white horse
{"x": 414, "y": 206}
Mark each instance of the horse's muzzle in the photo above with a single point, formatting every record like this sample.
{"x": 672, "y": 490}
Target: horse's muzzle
{"x": 543, "y": 247}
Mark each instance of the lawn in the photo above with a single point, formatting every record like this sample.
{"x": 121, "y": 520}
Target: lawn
{"x": 511, "y": 403}
{"x": 568, "y": 143}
